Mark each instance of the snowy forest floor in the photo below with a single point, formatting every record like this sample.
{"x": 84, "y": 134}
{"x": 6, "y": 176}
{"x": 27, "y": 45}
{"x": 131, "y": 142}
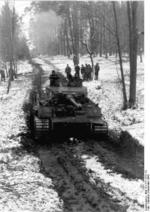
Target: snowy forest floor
{"x": 107, "y": 93}
{"x": 22, "y": 186}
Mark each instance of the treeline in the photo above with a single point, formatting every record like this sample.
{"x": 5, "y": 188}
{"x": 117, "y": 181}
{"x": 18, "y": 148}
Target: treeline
{"x": 13, "y": 44}
{"x": 97, "y": 28}
{"x": 89, "y": 27}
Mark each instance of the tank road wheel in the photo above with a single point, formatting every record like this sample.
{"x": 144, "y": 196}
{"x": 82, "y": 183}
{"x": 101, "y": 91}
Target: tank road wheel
{"x": 30, "y": 119}
{"x": 41, "y": 129}
{"x": 30, "y": 123}
{"x": 100, "y": 130}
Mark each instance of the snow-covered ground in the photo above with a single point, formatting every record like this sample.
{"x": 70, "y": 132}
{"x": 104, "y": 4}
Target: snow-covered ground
{"x": 24, "y": 67}
{"x": 107, "y": 93}
{"x": 22, "y": 186}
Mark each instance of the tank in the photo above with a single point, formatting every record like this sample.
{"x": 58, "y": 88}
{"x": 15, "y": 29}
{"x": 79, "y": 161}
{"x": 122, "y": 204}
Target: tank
{"x": 65, "y": 112}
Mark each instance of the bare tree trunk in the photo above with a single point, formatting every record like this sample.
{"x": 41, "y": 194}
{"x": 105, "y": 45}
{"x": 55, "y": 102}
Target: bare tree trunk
{"x": 110, "y": 46}
{"x": 68, "y": 48}
{"x": 101, "y": 42}
{"x": 70, "y": 28}
{"x": 74, "y": 31}
{"x": 75, "y": 20}
{"x": 133, "y": 42}
{"x": 120, "y": 58}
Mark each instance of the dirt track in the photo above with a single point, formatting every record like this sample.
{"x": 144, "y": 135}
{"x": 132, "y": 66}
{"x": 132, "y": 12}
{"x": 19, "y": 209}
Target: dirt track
{"x": 72, "y": 183}
{"x": 81, "y": 187}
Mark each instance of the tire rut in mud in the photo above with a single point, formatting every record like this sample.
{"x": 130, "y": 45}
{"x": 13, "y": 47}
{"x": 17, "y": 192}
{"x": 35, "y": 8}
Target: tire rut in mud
{"x": 101, "y": 175}
{"x": 72, "y": 183}
{"x": 126, "y": 161}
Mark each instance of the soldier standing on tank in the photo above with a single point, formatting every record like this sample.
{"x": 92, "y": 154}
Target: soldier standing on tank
{"x": 97, "y": 68}
{"x": 54, "y": 79}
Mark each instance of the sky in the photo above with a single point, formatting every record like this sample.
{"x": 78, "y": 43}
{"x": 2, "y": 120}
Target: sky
{"x": 21, "y": 5}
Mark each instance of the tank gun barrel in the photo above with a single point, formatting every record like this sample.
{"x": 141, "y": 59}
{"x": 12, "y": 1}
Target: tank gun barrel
{"x": 71, "y": 99}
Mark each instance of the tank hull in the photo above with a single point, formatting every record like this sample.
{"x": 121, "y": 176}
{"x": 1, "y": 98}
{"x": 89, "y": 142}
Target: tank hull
{"x": 78, "y": 118}
{"x": 68, "y": 127}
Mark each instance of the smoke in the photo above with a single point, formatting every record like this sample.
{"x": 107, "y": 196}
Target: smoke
{"x": 48, "y": 22}
{"x": 44, "y": 29}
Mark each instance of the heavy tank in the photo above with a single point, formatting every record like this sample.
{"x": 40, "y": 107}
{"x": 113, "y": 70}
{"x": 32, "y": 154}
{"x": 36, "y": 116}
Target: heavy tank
{"x": 65, "y": 112}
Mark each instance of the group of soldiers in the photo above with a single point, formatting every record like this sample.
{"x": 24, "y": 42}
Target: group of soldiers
{"x": 83, "y": 73}
{"x": 75, "y": 80}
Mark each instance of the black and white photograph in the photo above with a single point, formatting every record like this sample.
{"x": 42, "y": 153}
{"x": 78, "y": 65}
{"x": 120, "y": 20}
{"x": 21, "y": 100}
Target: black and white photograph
{"x": 72, "y": 106}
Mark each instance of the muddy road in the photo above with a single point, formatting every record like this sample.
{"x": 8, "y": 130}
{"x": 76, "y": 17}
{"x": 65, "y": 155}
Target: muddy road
{"x": 93, "y": 175}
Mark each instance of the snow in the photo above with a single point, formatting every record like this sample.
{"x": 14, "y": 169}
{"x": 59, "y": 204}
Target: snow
{"x": 24, "y": 67}
{"x": 22, "y": 186}
{"x": 124, "y": 190}
{"x": 133, "y": 188}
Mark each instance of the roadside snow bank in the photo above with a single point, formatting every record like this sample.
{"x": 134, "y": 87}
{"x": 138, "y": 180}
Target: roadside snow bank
{"x": 116, "y": 181}
{"x": 24, "y": 67}
{"x": 22, "y": 187}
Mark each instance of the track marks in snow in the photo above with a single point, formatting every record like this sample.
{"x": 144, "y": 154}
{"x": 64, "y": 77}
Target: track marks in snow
{"x": 73, "y": 184}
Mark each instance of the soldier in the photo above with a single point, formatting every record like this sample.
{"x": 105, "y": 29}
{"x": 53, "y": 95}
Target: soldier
{"x": 77, "y": 71}
{"x": 89, "y": 72}
{"x": 83, "y": 72}
{"x": 54, "y": 79}
{"x": 75, "y": 60}
{"x": 76, "y": 82}
{"x": 86, "y": 72}
{"x": 68, "y": 71}
{"x": 97, "y": 68}
{"x": 70, "y": 80}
